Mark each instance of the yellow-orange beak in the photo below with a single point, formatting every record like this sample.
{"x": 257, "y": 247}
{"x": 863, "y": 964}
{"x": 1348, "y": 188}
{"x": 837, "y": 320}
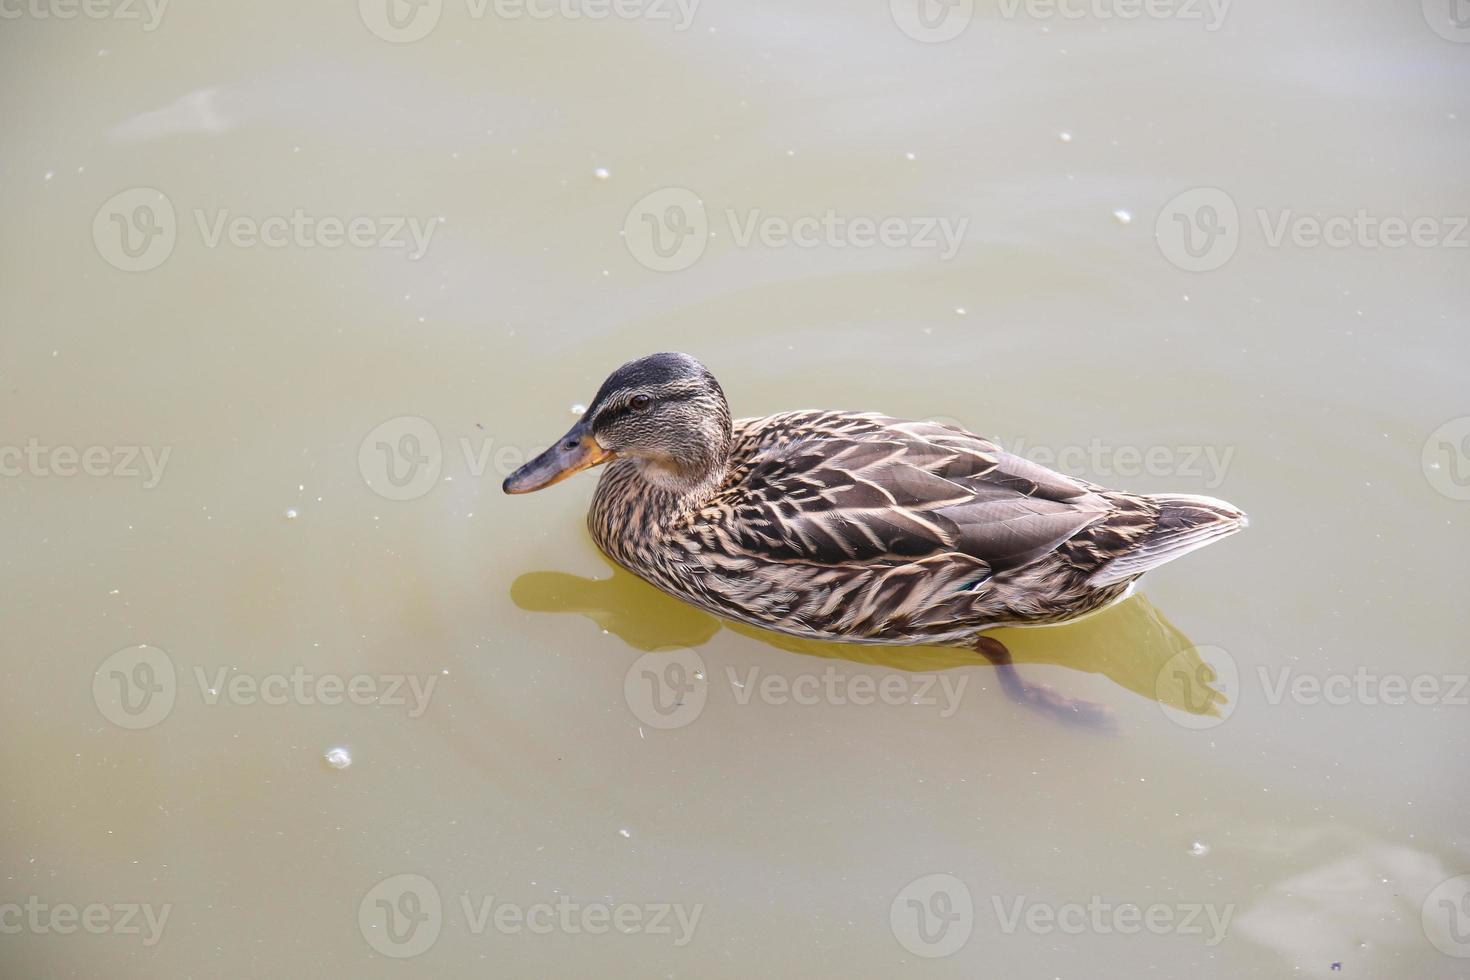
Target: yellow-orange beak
{"x": 573, "y": 452}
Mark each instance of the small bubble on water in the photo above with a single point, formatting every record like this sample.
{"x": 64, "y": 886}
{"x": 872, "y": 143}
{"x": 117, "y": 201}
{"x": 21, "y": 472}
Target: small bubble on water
{"x": 1065, "y": 137}
{"x": 1123, "y": 217}
{"x": 602, "y": 173}
{"x": 959, "y": 310}
{"x": 291, "y": 514}
{"x": 579, "y": 409}
{"x": 625, "y": 832}
{"x": 1199, "y": 849}
{"x": 338, "y": 757}
{"x": 911, "y": 156}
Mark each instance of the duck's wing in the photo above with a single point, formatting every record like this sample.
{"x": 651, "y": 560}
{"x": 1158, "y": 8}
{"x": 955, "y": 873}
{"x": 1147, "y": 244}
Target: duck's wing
{"x": 850, "y": 490}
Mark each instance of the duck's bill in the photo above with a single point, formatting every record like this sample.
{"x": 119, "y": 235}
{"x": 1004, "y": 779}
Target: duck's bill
{"x": 573, "y": 453}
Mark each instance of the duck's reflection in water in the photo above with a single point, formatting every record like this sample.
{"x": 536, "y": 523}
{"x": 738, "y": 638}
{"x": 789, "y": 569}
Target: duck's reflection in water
{"x": 1131, "y": 642}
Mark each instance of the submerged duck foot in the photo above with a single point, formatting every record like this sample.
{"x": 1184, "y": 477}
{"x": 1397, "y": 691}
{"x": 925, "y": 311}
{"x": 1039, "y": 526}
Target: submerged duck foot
{"x": 1070, "y": 711}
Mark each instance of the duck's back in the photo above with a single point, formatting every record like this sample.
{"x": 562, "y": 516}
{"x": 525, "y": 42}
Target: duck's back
{"x": 864, "y": 528}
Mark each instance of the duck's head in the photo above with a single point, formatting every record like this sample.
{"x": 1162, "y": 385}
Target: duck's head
{"x": 664, "y": 412}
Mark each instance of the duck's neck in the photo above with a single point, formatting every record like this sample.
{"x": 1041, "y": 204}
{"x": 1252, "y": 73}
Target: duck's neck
{"x": 636, "y": 502}
{"x": 640, "y": 496}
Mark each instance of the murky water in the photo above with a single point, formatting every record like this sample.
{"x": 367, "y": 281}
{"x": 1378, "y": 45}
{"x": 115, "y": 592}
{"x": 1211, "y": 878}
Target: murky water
{"x": 291, "y": 689}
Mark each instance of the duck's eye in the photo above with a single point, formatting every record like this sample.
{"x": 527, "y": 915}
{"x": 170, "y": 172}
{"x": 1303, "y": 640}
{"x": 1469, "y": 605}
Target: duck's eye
{"x": 640, "y": 403}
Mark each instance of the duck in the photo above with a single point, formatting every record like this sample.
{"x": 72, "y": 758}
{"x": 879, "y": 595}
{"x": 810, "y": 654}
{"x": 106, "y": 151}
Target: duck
{"x": 856, "y": 527}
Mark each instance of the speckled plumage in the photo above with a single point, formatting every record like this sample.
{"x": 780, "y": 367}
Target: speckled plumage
{"x": 867, "y": 529}
{"x": 853, "y": 527}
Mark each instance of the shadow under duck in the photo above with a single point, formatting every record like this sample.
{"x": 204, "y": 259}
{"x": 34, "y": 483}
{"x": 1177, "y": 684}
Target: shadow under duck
{"x": 856, "y": 527}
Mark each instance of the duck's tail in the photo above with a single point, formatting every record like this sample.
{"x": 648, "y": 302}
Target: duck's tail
{"x": 1185, "y": 523}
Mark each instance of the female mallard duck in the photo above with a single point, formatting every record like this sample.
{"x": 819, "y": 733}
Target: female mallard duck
{"x": 855, "y": 527}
